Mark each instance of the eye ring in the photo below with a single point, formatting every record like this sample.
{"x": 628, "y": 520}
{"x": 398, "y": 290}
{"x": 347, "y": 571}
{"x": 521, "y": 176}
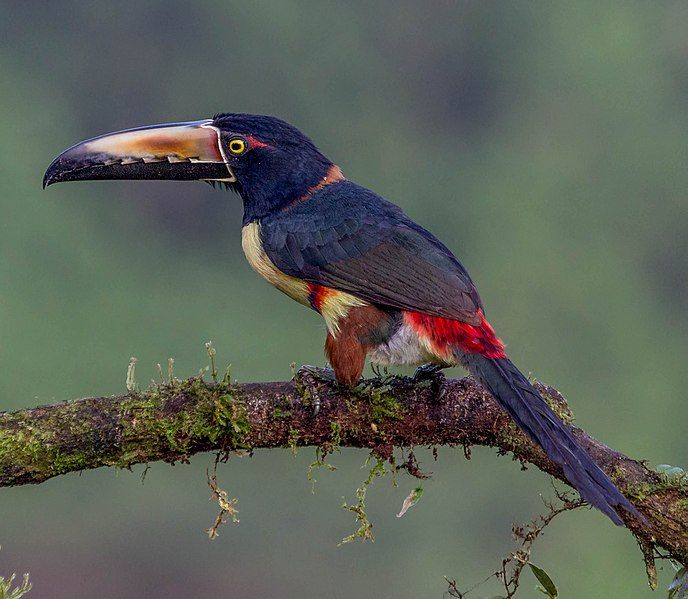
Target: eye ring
{"x": 237, "y": 146}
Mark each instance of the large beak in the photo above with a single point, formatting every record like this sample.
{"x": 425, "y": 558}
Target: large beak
{"x": 180, "y": 151}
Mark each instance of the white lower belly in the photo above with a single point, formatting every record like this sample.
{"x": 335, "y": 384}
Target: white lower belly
{"x": 404, "y": 347}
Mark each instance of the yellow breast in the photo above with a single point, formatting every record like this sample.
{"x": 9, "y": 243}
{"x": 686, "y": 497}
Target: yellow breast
{"x": 335, "y": 305}
{"x": 252, "y": 244}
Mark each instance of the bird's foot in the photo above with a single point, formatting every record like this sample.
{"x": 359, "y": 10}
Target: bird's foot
{"x": 432, "y": 373}
{"x": 308, "y": 380}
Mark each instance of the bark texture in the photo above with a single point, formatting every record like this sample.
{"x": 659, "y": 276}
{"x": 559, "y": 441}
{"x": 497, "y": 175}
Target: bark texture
{"x": 174, "y": 420}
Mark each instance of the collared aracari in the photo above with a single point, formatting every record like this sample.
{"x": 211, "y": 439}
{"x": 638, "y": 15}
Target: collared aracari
{"x": 388, "y": 289}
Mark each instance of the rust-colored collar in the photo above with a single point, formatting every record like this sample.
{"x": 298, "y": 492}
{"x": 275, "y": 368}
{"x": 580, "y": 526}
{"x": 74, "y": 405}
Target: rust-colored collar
{"x": 334, "y": 175}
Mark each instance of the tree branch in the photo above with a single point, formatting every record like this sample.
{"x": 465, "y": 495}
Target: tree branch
{"x": 174, "y": 420}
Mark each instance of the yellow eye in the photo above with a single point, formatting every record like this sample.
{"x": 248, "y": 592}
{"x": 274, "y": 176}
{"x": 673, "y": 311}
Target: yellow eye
{"x": 237, "y": 146}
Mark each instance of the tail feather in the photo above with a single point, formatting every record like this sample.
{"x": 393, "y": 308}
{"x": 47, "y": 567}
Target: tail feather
{"x": 531, "y": 413}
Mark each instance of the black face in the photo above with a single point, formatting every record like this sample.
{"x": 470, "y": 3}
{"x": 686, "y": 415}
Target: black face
{"x": 273, "y": 162}
{"x": 267, "y": 161}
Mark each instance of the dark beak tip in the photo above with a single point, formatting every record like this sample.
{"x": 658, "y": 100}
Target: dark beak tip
{"x": 49, "y": 179}
{"x": 52, "y": 174}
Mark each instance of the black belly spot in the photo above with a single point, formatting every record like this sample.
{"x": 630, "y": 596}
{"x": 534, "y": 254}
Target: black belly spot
{"x": 384, "y": 331}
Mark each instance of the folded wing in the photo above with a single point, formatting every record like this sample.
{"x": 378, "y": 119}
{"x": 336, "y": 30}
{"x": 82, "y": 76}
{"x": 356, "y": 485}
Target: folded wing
{"x": 375, "y": 252}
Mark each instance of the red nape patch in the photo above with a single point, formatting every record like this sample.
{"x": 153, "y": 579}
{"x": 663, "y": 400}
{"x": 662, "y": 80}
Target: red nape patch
{"x": 317, "y": 295}
{"x": 445, "y": 333}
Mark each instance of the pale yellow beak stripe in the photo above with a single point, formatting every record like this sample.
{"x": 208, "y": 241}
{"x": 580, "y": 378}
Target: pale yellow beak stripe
{"x": 197, "y": 142}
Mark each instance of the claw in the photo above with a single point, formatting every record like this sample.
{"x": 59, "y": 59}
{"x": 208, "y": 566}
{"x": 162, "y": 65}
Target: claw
{"x": 427, "y": 372}
{"x": 310, "y": 377}
{"x": 433, "y": 373}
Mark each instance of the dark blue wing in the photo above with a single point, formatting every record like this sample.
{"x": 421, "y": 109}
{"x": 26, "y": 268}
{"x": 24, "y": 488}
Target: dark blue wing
{"x": 347, "y": 238}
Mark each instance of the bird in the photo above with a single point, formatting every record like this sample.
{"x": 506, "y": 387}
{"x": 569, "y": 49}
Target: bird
{"x": 388, "y": 290}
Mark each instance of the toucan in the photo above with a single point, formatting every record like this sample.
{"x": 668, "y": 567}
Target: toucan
{"x": 388, "y": 289}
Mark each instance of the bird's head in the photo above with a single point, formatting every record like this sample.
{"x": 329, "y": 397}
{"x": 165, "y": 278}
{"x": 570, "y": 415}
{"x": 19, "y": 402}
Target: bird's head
{"x": 267, "y": 161}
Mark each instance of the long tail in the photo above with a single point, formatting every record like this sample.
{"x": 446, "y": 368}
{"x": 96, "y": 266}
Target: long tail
{"x": 532, "y": 414}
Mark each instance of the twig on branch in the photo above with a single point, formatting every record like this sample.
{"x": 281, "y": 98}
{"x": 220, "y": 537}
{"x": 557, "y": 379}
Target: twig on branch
{"x": 509, "y": 574}
{"x": 176, "y": 419}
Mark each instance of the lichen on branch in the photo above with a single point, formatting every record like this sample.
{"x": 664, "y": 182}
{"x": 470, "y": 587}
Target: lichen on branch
{"x": 174, "y": 419}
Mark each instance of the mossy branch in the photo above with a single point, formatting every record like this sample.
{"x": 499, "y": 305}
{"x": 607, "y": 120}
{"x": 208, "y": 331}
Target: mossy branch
{"x": 174, "y": 420}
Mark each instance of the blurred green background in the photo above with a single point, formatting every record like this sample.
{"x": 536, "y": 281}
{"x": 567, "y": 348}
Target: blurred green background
{"x": 545, "y": 143}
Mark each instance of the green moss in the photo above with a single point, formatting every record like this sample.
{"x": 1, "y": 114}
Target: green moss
{"x": 214, "y": 413}
{"x": 283, "y": 409}
{"x": 30, "y": 450}
{"x": 70, "y": 462}
{"x": 278, "y": 414}
{"x": 512, "y": 438}
{"x": 232, "y": 417}
{"x": 217, "y": 414}
{"x": 171, "y": 419}
{"x": 563, "y": 411}
{"x": 383, "y": 405}
{"x": 365, "y": 527}
{"x": 140, "y": 427}
{"x": 617, "y": 474}
{"x": 293, "y": 440}
{"x": 335, "y": 434}
{"x": 20, "y": 447}
{"x": 317, "y": 464}
{"x": 642, "y": 491}
{"x": 9, "y": 591}
{"x": 327, "y": 448}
